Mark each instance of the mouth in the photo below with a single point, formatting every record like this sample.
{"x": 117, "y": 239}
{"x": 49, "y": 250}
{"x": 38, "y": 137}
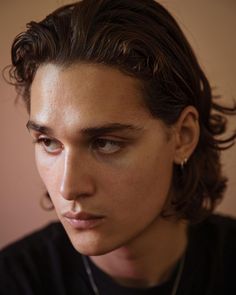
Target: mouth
{"x": 83, "y": 220}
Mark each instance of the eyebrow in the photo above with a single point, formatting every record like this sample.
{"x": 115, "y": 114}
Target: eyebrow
{"x": 31, "y": 125}
{"x": 90, "y": 131}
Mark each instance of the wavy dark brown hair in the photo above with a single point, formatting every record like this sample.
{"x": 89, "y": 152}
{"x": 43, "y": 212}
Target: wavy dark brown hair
{"x": 141, "y": 39}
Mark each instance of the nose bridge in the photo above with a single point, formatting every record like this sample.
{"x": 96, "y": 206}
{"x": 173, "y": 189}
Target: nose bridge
{"x": 76, "y": 180}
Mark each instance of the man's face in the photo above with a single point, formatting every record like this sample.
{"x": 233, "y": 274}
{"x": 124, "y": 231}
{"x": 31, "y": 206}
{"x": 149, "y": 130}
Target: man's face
{"x": 100, "y": 152}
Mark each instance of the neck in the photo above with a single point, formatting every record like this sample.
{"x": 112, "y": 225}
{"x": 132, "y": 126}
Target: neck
{"x": 150, "y": 258}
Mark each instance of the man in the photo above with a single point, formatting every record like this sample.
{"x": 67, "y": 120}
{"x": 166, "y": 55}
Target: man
{"x": 120, "y": 113}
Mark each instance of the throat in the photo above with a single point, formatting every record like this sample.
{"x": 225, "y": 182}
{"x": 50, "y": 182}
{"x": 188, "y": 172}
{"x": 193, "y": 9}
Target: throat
{"x": 147, "y": 264}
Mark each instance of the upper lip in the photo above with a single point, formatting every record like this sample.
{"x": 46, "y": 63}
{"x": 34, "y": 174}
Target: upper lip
{"x": 81, "y": 215}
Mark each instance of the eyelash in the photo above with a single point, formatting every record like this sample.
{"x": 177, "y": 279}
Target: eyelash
{"x": 94, "y": 145}
{"x": 42, "y": 142}
{"x": 118, "y": 144}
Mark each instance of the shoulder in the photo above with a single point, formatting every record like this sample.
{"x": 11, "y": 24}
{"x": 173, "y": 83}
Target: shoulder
{"x": 222, "y": 229}
{"x": 35, "y": 241}
{"x": 42, "y": 261}
{"x": 213, "y": 253}
{"x": 33, "y": 252}
{"x": 218, "y": 226}
{"x": 221, "y": 221}
{"x": 216, "y": 231}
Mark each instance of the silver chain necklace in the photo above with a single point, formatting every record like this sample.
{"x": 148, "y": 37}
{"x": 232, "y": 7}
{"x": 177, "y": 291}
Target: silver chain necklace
{"x": 95, "y": 288}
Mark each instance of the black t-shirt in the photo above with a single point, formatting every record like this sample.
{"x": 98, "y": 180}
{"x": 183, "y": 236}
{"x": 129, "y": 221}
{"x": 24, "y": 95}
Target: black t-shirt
{"x": 45, "y": 262}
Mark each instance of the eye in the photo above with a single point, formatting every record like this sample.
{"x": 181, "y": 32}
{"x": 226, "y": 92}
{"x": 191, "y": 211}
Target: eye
{"x": 51, "y": 146}
{"x": 107, "y": 146}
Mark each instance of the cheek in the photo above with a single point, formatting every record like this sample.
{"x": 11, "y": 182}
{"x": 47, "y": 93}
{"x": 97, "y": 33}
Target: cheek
{"x": 143, "y": 185}
{"x": 49, "y": 171}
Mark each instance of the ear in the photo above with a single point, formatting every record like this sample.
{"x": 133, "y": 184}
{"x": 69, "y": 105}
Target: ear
{"x": 187, "y": 132}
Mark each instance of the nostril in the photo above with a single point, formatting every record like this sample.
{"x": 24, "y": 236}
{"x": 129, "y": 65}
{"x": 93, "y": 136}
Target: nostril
{"x": 70, "y": 195}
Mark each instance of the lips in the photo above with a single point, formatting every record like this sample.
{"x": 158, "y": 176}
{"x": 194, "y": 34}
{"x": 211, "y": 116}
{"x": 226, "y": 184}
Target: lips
{"x": 83, "y": 220}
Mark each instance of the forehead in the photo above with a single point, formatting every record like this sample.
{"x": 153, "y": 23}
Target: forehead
{"x": 85, "y": 92}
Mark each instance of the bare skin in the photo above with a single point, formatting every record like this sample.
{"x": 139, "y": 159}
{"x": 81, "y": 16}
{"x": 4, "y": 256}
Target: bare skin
{"x": 139, "y": 263}
{"x": 121, "y": 173}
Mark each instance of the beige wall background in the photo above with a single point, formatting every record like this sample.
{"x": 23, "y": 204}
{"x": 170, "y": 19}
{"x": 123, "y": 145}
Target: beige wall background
{"x": 210, "y": 26}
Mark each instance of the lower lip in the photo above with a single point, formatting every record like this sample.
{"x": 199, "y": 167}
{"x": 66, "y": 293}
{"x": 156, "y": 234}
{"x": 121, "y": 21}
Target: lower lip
{"x": 85, "y": 224}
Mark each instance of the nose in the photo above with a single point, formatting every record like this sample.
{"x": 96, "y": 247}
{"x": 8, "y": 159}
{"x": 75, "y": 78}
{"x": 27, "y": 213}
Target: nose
{"x": 77, "y": 180}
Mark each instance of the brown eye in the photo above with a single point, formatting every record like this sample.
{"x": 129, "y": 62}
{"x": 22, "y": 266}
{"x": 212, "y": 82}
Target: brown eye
{"x": 50, "y": 145}
{"x": 47, "y": 142}
{"x": 107, "y": 146}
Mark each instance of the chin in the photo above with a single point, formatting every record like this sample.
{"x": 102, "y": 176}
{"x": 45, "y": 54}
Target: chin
{"x": 91, "y": 249}
{"x": 90, "y": 243}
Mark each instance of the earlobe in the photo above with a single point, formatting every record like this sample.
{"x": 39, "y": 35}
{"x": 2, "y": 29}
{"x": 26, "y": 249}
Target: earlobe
{"x": 187, "y": 133}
